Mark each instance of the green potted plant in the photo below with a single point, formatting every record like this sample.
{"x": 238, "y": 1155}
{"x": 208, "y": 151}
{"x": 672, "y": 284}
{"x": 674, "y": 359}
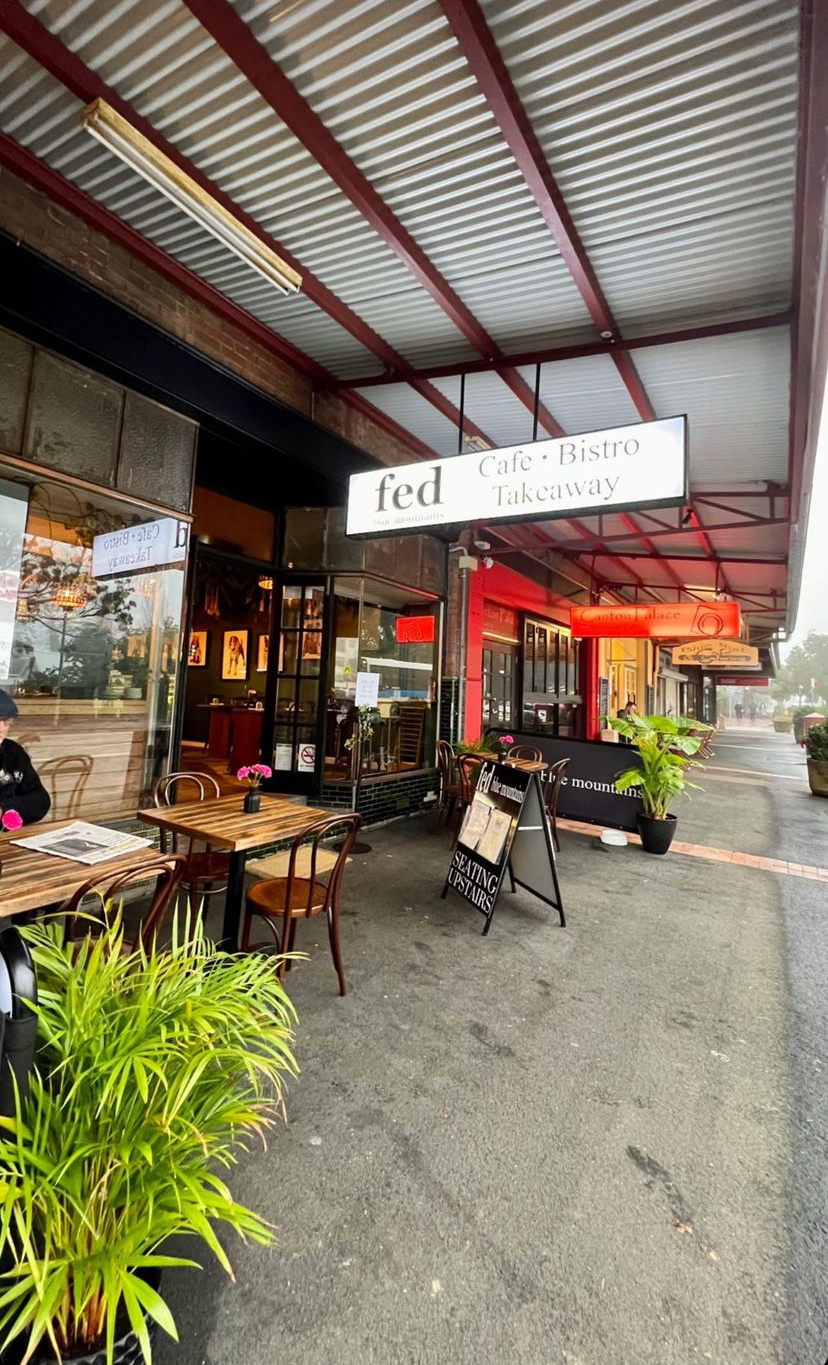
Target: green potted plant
{"x": 816, "y": 747}
{"x": 783, "y": 724}
{"x": 153, "y": 1072}
{"x": 665, "y": 747}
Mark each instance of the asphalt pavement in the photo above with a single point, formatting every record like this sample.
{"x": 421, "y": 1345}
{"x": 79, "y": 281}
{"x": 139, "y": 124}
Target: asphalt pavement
{"x": 581, "y": 1145}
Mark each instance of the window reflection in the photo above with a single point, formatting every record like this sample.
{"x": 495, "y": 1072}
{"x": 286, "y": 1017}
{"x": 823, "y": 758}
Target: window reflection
{"x": 390, "y": 634}
{"x": 90, "y": 610}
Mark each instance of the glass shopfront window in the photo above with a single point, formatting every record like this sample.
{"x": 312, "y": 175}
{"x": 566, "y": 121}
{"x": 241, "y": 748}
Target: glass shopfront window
{"x": 498, "y": 683}
{"x": 91, "y": 594}
{"x": 550, "y": 679}
{"x": 392, "y": 633}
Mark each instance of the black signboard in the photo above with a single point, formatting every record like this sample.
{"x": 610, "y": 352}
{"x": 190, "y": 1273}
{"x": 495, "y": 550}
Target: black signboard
{"x": 588, "y": 788}
{"x": 506, "y": 827}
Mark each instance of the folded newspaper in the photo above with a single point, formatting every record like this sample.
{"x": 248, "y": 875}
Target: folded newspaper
{"x": 83, "y": 843}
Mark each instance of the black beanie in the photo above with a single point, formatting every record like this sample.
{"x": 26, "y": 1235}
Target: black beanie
{"x": 8, "y": 706}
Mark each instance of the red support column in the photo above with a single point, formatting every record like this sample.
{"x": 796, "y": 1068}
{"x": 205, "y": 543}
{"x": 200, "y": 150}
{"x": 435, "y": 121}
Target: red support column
{"x": 589, "y": 665}
{"x": 474, "y": 657}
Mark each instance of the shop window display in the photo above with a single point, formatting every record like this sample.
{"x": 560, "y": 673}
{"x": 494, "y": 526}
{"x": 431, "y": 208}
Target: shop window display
{"x": 370, "y": 635}
{"x": 90, "y": 614}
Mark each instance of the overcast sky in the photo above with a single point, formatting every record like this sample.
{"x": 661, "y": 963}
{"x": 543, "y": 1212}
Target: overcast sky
{"x": 813, "y": 602}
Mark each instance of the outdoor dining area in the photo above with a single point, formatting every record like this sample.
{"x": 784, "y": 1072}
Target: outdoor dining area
{"x": 257, "y": 867}
{"x": 82, "y": 872}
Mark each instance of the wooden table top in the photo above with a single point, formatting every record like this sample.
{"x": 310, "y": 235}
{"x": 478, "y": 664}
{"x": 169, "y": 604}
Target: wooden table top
{"x": 527, "y": 765}
{"x": 224, "y": 824}
{"x": 31, "y": 880}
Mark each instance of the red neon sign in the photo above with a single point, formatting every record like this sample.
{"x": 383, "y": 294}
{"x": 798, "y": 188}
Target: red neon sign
{"x": 659, "y": 621}
{"x": 414, "y": 630}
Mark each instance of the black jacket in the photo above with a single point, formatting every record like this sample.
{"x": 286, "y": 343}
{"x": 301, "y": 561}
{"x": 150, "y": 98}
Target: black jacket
{"x": 20, "y": 787}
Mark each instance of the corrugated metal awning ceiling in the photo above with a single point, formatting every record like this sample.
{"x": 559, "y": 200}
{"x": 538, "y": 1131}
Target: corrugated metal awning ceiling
{"x": 669, "y": 131}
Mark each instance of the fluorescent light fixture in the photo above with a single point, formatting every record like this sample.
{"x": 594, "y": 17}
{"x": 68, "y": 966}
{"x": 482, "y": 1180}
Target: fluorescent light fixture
{"x": 118, "y": 136}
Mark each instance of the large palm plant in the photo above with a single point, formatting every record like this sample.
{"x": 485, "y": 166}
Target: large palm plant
{"x": 152, "y": 1072}
{"x": 665, "y": 747}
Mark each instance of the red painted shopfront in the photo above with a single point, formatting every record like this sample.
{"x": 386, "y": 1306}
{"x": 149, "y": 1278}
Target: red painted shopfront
{"x": 524, "y": 671}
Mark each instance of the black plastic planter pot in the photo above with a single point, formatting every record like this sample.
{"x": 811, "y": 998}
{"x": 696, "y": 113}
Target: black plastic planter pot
{"x": 127, "y": 1352}
{"x": 127, "y": 1348}
{"x": 656, "y": 835}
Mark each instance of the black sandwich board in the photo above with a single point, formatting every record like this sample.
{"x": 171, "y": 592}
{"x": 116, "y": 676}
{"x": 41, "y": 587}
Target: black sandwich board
{"x": 506, "y": 828}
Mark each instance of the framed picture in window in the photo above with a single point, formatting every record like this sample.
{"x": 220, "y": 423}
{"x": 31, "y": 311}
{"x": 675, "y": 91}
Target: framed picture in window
{"x": 234, "y": 655}
{"x": 197, "y": 651}
{"x": 262, "y": 647}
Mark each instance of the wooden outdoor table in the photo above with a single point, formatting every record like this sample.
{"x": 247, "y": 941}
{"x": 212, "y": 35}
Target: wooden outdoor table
{"x": 528, "y": 765}
{"x": 31, "y": 880}
{"x": 223, "y": 824}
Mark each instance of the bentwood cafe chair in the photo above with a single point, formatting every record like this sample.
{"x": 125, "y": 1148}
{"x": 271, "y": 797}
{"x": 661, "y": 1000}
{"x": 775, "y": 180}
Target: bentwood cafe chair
{"x": 206, "y": 872}
{"x": 301, "y": 894}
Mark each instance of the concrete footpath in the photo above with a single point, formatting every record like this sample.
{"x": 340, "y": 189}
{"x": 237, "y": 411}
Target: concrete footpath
{"x": 582, "y": 1145}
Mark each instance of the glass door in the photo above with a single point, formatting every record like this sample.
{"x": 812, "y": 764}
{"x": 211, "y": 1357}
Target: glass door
{"x": 298, "y": 680}
{"x": 498, "y": 684}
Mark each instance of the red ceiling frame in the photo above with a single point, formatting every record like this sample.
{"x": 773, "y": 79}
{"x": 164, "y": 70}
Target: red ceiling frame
{"x": 48, "y": 50}
{"x": 86, "y": 85}
{"x": 237, "y": 40}
{"x": 482, "y": 53}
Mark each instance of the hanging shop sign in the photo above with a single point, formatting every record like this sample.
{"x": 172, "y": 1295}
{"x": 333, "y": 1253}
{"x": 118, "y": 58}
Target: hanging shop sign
{"x": 637, "y": 466}
{"x": 414, "y": 630}
{"x": 717, "y": 654}
{"x": 739, "y": 680}
{"x": 150, "y": 545}
{"x": 506, "y": 827}
{"x": 658, "y": 621}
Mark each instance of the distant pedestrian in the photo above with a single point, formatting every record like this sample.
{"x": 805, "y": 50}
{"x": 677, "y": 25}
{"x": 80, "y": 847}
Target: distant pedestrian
{"x": 739, "y": 709}
{"x": 752, "y": 710}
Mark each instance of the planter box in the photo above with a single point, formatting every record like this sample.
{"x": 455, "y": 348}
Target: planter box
{"x": 818, "y": 776}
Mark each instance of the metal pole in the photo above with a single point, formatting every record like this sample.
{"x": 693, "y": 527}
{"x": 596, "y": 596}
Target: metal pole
{"x": 462, "y": 416}
{"x": 464, "y": 626}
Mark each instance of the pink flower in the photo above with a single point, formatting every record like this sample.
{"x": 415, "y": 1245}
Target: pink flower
{"x": 11, "y": 820}
{"x": 253, "y": 773}
{"x": 507, "y": 739}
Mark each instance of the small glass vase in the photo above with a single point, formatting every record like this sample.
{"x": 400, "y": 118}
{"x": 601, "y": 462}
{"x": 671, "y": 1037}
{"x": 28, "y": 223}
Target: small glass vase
{"x": 252, "y": 801}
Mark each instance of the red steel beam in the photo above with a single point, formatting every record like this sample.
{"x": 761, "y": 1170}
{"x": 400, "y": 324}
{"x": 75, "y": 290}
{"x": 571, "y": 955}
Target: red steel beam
{"x": 237, "y": 40}
{"x": 778, "y": 561}
{"x": 598, "y": 542}
{"x": 808, "y": 377}
{"x": 468, "y": 23}
{"x": 66, "y": 67}
{"x": 576, "y": 352}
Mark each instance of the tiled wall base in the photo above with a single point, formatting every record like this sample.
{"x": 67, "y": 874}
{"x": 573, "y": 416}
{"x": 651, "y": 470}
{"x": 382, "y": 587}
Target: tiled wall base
{"x": 384, "y": 798}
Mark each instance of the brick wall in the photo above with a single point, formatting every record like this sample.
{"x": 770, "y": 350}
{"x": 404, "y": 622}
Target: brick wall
{"x": 29, "y": 215}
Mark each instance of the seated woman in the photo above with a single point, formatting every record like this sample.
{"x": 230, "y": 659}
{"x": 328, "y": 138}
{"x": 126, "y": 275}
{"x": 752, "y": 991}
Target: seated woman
{"x": 20, "y": 787}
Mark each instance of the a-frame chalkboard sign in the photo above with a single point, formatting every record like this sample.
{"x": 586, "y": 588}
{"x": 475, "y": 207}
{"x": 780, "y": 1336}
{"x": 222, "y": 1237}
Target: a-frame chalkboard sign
{"x": 505, "y": 829}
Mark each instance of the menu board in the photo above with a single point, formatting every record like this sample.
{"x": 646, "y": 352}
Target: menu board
{"x": 486, "y": 842}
